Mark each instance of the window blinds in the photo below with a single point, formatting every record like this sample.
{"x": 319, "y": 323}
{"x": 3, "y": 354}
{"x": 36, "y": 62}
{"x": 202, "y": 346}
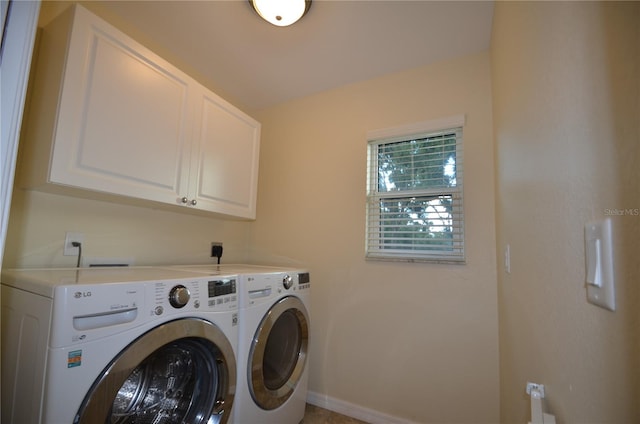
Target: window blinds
{"x": 415, "y": 197}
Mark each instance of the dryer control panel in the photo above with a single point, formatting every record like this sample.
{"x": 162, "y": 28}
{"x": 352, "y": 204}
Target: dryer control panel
{"x": 304, "y": 281}
{"x": 262, "y": 288}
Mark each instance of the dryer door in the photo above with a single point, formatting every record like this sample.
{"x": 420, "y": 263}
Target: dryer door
{"x": 183, "y": 371}
{"x": 278, "y": 353}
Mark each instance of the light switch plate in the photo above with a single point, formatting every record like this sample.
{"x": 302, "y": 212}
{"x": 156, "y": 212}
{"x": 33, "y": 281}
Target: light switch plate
{"x": 507, "y": 259}
{"x": 599, "y": 264}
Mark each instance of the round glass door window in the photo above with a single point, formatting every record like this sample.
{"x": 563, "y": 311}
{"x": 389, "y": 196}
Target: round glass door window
{"x": 185, "y": 380}
{"x": 278, "y": 353}
{"x": 282, "y": 350}
{"x": 162, "y": 389}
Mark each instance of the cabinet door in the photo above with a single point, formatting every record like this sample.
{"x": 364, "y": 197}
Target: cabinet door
{"x": 123, "y": 117}
{"x": 224, "y": 174}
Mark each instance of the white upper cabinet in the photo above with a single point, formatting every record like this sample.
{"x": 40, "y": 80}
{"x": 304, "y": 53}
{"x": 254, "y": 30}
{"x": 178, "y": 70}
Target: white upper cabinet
{"x": 227, "y": 144}
{"x": 109, "y": 116}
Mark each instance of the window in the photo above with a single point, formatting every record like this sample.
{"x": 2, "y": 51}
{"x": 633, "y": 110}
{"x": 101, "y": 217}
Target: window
{"x": 414, "y": 193}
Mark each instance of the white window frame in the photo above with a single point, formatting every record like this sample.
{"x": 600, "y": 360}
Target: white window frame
{"x": 373, "y": 248}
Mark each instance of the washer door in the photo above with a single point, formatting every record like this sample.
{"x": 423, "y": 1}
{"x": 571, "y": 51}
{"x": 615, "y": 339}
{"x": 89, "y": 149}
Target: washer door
{"x": 278, "y": 353}
{"x": 183, "y": 371}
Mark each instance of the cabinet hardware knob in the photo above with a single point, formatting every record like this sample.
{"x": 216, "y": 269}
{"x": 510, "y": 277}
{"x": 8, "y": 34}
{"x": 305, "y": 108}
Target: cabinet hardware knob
{"x": 184, "y": 200}
{"x": 194, "y": 202}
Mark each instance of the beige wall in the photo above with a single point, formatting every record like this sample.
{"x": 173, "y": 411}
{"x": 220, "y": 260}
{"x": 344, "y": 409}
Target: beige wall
{"x": 38, "y": 223}
{"x": 566, "y": 107}
{"x": 416, "y": 341}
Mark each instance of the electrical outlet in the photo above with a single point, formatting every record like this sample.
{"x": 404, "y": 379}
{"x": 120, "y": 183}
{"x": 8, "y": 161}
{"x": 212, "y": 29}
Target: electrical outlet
{"x": 535, "y": 387}
{"x": 69, "y": 249}
{"x": 216, "y": 249}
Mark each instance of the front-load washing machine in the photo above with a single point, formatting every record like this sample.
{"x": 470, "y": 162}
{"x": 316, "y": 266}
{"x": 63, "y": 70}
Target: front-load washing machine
{"x": 118, "y": 345}
{"x": 272, "y": 347}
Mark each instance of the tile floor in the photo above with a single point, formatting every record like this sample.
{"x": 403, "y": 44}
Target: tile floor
{"x": 316, "y": 415}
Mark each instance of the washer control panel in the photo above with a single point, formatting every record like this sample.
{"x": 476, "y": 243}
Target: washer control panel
{"x": 91, "y": 303}
{"x": 222, "y": 291}
{"x": 212, "y": 293}
{"x": 179, "y": 296}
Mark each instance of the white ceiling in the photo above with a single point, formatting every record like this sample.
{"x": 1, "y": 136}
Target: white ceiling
{"x": 256, "y": 65}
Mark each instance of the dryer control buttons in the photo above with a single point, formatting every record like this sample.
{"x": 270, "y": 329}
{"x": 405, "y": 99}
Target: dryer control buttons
{"x": 287, "y": 282}
{"x": 179, "y": 296}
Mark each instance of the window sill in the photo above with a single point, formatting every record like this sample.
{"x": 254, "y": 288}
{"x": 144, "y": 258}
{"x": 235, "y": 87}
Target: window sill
{"x": 445, "y": 261}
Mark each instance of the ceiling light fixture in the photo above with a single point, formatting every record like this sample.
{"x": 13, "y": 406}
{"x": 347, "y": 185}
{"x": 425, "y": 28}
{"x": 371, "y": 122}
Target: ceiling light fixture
{"x": 281, "y": 12}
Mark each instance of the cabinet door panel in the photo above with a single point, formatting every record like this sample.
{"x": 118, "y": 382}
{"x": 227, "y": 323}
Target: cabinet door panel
{"x": 227, "y": 167}
{"x": 110, "y": 116}
{"x": 131, "y": 119}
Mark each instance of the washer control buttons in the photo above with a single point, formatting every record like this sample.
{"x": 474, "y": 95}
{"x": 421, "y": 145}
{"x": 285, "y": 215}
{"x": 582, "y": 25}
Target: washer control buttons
{"x": 179, "y": 296}
{"x": 158, "y": 310}
{"x": 287, "y": 282}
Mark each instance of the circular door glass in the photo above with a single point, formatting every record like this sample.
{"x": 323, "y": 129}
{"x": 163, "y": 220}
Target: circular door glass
{"x": 282, "y": 350}
{"x": 183, "y": 371}
{"x": 172, "y": 385}
{"x": 278, "y": 353}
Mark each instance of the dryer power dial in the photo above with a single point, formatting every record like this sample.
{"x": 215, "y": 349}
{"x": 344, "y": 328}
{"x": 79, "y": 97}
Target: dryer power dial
{"x": 287, "y": 282}
{"x": 179, "y": 296}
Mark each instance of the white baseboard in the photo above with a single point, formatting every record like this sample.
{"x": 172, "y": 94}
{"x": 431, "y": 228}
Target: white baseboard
{"x": 353, "y": 410}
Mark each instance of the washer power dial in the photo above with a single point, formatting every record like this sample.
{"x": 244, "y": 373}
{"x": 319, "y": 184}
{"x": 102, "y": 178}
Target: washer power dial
{"x": 287, "y": 282}
{"x": 179, "y": 296}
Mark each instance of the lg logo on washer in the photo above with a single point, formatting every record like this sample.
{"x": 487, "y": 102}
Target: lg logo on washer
{"x": 79, "y": 295}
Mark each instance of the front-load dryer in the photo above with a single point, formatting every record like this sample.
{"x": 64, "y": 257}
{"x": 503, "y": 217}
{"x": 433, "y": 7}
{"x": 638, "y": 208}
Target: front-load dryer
{"x": 272, "y": 348}
{"x": 118, "y": 345}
